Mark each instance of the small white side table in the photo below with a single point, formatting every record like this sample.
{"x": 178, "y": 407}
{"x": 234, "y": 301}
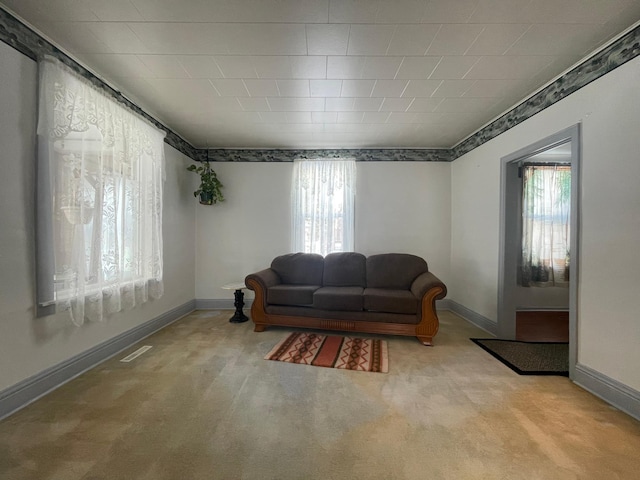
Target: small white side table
{"x": 238, "y": 316}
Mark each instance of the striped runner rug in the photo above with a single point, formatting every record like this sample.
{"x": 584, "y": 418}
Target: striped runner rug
{"x": 362, "y": 354}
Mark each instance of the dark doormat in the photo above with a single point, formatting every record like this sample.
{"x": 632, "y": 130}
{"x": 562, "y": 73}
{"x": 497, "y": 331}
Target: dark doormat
{"x": 529, "y": 358}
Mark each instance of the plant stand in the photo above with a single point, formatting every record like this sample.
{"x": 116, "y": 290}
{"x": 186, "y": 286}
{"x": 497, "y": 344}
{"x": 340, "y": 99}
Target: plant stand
{"x": 238, "y": 316}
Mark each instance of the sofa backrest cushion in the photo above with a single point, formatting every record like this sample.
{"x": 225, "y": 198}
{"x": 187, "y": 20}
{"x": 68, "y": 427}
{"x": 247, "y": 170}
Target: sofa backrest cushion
{"x": 344, "y": 269}
{"x": 299, "y": 268}
{"x": 394, "y": 270}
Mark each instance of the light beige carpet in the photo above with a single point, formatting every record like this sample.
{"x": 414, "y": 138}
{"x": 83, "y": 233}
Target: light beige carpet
{"x": 203, "y": 404}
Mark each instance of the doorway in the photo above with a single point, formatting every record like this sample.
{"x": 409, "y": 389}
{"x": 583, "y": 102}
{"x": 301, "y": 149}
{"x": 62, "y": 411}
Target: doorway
{"x": 514, "y": 300}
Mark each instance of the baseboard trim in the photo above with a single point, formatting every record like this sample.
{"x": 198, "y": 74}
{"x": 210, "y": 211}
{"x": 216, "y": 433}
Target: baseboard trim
{"x": 31, "y": 389}
{"x": 220, "y": 303}
{"x": 541, "y": 309}
{"x": 470, "y": 316}
{"x": 611, "y": 391}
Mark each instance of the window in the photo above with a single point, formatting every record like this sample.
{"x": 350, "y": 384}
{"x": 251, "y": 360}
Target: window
{"x": 546, "y": 209}
{"x": 100, "y": 176}
{"x": 323, "y": 203}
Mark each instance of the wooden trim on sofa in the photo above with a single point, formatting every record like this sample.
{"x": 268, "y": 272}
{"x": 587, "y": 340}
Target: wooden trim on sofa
{"x": 425, "y": 330}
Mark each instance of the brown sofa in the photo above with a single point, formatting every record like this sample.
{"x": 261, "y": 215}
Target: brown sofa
{"x": 391, "y": 293}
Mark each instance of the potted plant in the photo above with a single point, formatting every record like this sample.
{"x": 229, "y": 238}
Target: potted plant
{"x": 210, "y": 189}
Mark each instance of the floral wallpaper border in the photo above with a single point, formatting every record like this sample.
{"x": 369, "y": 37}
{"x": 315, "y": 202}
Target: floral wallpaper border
{"x": 361, "y": 155}
{"x": 22, "y": 38}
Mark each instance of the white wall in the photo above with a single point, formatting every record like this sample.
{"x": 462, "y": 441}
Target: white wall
{"x": 608, "y": 326}
{"x": 29, "y": 345}
{"x": 400, "y": 207}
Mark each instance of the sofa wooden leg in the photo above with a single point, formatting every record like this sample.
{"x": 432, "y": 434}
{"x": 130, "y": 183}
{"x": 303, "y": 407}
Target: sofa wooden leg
{"x": 427, "y": 341}
{"x": 259, "y": 328}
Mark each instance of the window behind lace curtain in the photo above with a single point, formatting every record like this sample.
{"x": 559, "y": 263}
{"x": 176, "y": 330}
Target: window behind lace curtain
{"x": 100, "y": 179}
{"x": 546, "y": 209}
{"x": 323, "y": 203}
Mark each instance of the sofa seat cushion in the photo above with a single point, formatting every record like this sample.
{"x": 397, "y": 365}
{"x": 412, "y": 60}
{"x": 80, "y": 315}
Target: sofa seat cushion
{"x": 390, "y": 300}
{"x": 338, "y": 298}
{"x": 283, "y": 294}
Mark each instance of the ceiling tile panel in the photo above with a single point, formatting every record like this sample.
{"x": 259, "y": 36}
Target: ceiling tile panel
{"x": 112, "y": 65}
{"x": 308, "y": 67}
{"x": 421, "y": 88}
{"x": 497, "y": 39}
{"x": 454, "y": 39}
{"x": 324, "y": 117}
{"x": 187, "y": 38}
{"x": 417, "y": 67}
{"x": 164, "y": 66}
{"x": 573, "y": 11}
{"x": 77, "y": 37}
{"x": 453, "y": 88}
{"x": 299, "y": 117}
{"x": 200, "y": 66}
{"x": 370, "y": 39}
{"x": 508, "y": 67}
{"x": 412, "y": 39}
{"x": 381, "y": 67}
{"x": 425, "y": 104}
{"x": 500, "y": 11}
{"x": 339, "y": 104}
{"x": 301, "y": 104}
{"x": 266, "y": 39}
{"x": 293, "y": 88}
{"x": 247, "y": 11}
{"x": 396, "y": 104}
{"x": 327, "y": 39}
{"x": 357, "y": 88}
{"x": 400, "y": 11}
{"x": 353, "y": 11}
{"x": 375, "y": 117}
{"x": 114, "y": 10}
{"x": 389, "y": 88}
{"x": 465, "y": 105}
{"x": 270, "y": 66}
{"x": 181, "y": 89}
{"x": 345, "y": 67}
{"x": 350, "y": 117}
{"x": 118, "y": 37}
{"x": 367, "y": 104}
{"x": 262, "y": 87}
{"x": 254, "y": 104}
{"x": 325, "y": 88}
{"x": 454, "y": 67}
{"x": 490, "y": 88}
{"x": 402, "y": 117}
{"x": 553, "y": 39}
{"x": 230, "y": 87}
{"x": 446, "y": 11}
{"x": 273, "y": 117}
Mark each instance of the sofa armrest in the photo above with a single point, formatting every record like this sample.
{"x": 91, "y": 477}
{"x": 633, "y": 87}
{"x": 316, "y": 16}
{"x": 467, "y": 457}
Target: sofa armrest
{"x": 260, "y": 282}
{"x": 264, "y": 279}
{"x": 424, "y": 283}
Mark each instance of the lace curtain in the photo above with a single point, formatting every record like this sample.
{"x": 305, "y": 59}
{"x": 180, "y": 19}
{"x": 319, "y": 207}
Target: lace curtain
{"x": 323, "y": 204}
{"x": 546, "y": 208}
{"x": 99, "y": 200}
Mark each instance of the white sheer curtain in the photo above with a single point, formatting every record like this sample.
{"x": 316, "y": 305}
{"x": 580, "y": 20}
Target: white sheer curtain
{"x": 99, "y": 200}
{"x": 546, "y": 209}
{"x": 323, "y": 204}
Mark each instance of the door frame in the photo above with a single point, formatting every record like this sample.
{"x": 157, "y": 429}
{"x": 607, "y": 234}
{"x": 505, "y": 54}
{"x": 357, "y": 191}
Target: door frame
{"x": 510, "y": 234}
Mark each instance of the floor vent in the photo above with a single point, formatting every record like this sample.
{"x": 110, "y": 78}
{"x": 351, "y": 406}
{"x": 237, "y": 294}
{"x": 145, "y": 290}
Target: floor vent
{"x": 136, "y": 354}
